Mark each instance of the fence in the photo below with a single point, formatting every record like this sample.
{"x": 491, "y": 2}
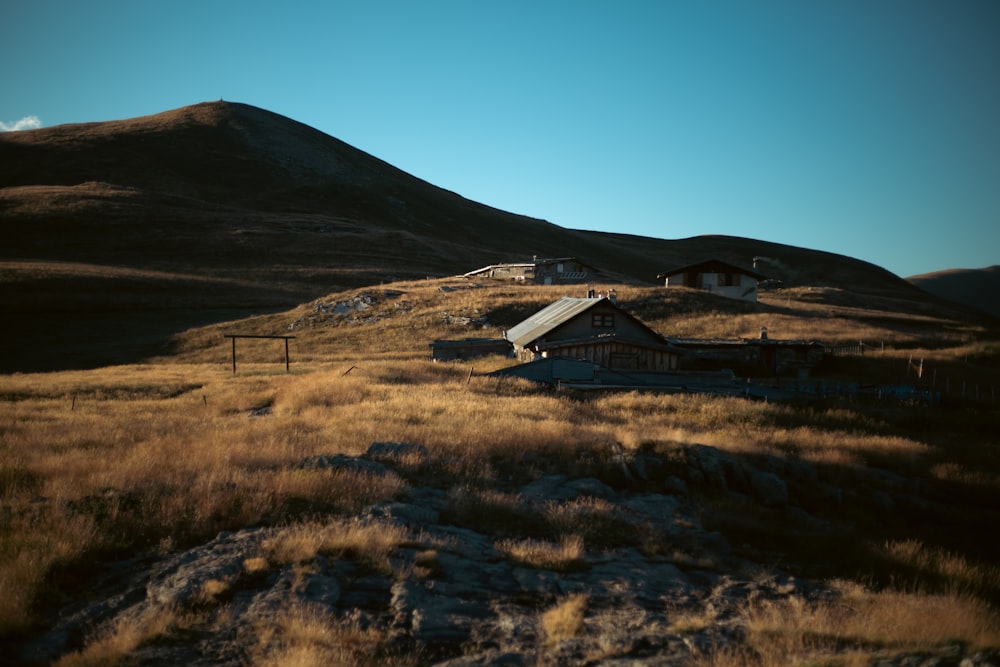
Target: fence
{"x": 855, "y": 350}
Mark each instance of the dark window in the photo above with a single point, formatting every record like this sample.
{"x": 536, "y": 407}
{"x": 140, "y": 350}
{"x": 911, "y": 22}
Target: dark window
{"x": 729, "y": 279}
{"x": 603, "y": 321}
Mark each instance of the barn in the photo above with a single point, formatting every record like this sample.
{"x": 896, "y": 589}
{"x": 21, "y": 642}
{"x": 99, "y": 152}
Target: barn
{"x": 592, "y": 329}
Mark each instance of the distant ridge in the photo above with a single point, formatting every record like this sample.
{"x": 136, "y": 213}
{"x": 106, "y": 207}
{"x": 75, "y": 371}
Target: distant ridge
{"x": 978, "y": 288}
{"x": 219, "y": 209}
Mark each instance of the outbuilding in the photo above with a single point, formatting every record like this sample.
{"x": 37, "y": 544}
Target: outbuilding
{"x": 556, "y": 271}
{"x": 717, "y": 277}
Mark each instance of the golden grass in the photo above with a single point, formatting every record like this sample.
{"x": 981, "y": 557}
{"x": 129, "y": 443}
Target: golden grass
{"x": 113, "y": 645}
{"x": 370, "y": 543}
{"x": 851, "y": 628}
{"x": 310, "y": 636}
{"x": 103, "y": 471}
{"x": 563, "y": 556}
{"x": 888, "y": 619}
{"x": 564, "y": 620}
{"x": 116, "y": 460}
{"x": 939, "y": 570}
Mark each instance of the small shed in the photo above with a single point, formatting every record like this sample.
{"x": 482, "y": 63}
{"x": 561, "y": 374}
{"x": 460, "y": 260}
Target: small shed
{"x": 717, "y": 277}
{"x": 468, "y": 348}
{"x": 769, "y": 355}
{"x": 595, "y": 330}
{"x": 561, "y": 271}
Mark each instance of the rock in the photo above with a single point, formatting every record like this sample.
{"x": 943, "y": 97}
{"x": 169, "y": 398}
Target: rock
{"x": 705, "y": 466}
{"x": 181, "y": 581}
{"x": 341, "y": 462}
{"x": 676, "y": 486}
{"x": 768, "y": 488}
{"x": 397, "y": 453}
{"x": 450, "y": 597}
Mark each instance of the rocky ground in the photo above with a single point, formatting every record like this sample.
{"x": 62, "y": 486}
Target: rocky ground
{"x": 658, "y": 588}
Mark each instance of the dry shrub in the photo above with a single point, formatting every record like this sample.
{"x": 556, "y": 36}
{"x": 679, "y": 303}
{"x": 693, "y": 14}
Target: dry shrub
{"x": 348, "y": 490}
{"x": 565, "y": 620}
{"x": 692, "y": 621}
{"x": 29, "y": 548}
{"x": 599, "y": 522}
{"x": 114, "y": 644}
{"x": 888, "y": 619}
{"x": 941, "y": 570}
{"x": 310, "y": 636}
{"x": 565, "y": 556}
{"x": 371, "y": 543}
{"x": 489, "y": 510}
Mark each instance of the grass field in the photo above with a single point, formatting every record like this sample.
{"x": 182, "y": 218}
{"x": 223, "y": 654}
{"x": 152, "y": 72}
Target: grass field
{"x": 111, "y": 462}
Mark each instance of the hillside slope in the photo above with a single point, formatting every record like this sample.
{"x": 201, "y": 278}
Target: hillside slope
{"x": 973, "y": 287}
{"x": 118, "y": 234}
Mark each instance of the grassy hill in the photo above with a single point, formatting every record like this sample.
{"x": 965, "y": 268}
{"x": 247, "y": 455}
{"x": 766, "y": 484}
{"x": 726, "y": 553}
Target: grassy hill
{"x": 976, "y": 288}
{"x": 212, "y": 489}
{"x": 119, "y": 234}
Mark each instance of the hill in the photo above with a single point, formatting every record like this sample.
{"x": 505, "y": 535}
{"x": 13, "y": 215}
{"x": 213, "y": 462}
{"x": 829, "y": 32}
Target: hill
{"x": 119, "y": 234}
{"x": 976, "y": 288}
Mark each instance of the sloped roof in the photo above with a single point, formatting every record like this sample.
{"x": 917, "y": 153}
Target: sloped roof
{"x": 562, "y": 311}
{"x": 711, "y": 266}
{"x": 550, "y": 317}
{"x": 528, "y": 264}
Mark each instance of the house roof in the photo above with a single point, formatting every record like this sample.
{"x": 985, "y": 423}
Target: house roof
{"x": 548, "y": 318}
{"x": 711, "y": 266}
{"x": 526, "y": 265}
{"x": 556, "y": 314}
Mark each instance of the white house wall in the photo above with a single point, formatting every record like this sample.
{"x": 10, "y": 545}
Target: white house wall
{"x": 747, "y": 288}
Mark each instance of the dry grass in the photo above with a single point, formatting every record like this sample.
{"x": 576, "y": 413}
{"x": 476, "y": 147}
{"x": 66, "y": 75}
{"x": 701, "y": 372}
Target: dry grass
{"x": 369, "y": 543}
{"x": 851, "y": 628}
{"x": 564, "y": 620}
{"x": 882, "y": 620}
{"x": 935, "y": 570}
{"x": 107, "y": 462}
{"x": 113, "y": 645}
{"x": 309, "y": 636}
{"x": 563, "y": 556}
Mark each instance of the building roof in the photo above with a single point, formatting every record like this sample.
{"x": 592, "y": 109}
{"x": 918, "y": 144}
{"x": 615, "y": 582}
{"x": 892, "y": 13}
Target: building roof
{"x": 711, "y": 266}
{"x": 562, "y": 311}
{"x": 548, "y": 318}
{"x": 526, "y": 265}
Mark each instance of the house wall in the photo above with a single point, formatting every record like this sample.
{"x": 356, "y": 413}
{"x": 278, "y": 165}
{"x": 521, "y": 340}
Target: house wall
{"x": 611, "y": 354}
{"x": 456, "y": 350}
{"x": 584, "y": 326}
{"x": 746, "y": 357}
{"x": 745, "y": 287}
{"x": 513, "y": 273}
{"x": 566, "y": 271}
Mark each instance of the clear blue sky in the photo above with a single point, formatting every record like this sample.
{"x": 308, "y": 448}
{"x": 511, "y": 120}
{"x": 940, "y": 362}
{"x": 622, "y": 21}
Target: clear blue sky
{"x": 869, "y": 128}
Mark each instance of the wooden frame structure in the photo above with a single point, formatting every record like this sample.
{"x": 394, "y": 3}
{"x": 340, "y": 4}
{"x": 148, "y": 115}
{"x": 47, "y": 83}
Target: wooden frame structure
{"x": 235, "y": 336}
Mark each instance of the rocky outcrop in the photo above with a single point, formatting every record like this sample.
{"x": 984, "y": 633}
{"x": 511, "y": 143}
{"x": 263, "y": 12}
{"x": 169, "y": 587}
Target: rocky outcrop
{"x": 659, "y": 588}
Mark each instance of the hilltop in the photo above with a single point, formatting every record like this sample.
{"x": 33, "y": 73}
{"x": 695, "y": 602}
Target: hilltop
{"x": 119, "y": 234}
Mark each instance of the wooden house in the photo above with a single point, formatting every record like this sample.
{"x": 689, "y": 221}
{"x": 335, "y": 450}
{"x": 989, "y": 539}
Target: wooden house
{"x": 558, "y": 271}
{"x": 717, "y": 277}
{"x": 595, "y": 330}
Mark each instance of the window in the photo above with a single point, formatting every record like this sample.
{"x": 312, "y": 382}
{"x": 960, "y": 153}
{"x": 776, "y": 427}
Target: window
{"x": 729, "y": 280}
{"x": 603, "y": 320}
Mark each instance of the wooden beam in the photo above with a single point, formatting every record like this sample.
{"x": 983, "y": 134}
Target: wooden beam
{"x": 235, "y": 336}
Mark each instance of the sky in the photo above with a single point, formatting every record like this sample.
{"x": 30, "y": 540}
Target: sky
{"x": 869, "y": 128}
